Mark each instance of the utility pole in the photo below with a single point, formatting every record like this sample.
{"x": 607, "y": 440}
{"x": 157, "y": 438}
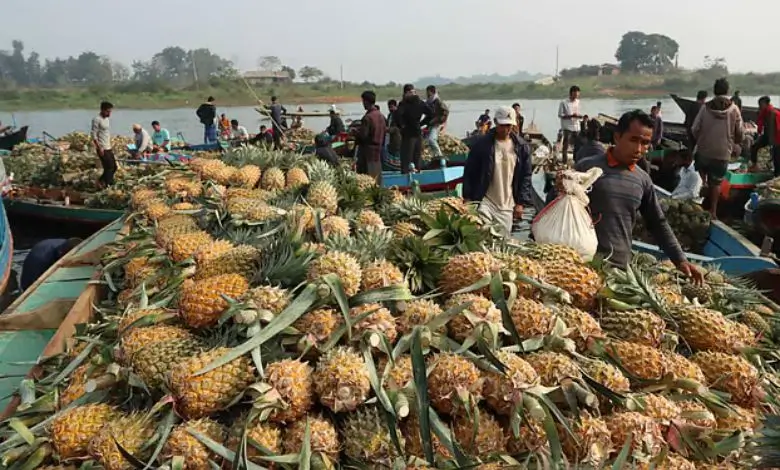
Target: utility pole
{"x": 194, "y": 70}
{"x": 557, "y": 51}
{"x": 341, "y": 72}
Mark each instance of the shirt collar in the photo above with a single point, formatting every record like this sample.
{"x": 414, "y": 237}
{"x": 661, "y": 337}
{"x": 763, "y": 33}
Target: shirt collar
{"x": 612, "y": 163}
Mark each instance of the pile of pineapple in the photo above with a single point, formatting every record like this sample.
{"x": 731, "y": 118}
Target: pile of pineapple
{"x": 267, "y": 311}
{"x": 449, "y": 144}
{"x": 687, "y": 219}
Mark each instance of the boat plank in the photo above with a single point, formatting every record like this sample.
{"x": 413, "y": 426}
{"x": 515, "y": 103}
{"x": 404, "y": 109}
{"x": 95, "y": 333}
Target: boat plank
{"x": 15, "y": 348}
{"x": 46, "y": 292}
{"x": 77, "y": 273}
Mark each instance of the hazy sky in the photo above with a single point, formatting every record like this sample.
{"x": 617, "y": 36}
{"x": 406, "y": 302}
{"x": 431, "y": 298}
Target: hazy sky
{"x": 399, "y": 40}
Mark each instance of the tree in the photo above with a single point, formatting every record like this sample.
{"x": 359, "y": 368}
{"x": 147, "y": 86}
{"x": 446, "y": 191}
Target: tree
{"x": 290, "y": 71}
{"x": 310, "y": 73}
{"x": 120, "y": 72}
{"x": 716, "y": 66}
{"x": 646, "y": 53}
{"x": 269, "y": 63}
{"x": 173, "y": 64}
{"x": 209, "y": 64}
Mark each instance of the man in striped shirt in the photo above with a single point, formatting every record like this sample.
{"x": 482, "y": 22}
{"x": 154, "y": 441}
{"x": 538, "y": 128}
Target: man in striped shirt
{"x": 624, "y": 190}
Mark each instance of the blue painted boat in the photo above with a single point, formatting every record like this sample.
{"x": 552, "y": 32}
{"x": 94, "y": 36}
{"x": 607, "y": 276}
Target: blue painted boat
{"x": 428, "y": 180}
{"x": 725, "y": 247}
{"x": 6, "y": 248}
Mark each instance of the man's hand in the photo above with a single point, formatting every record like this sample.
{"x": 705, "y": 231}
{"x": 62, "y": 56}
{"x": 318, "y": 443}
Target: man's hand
{"x": 691, "y": 271}
{"x": 518, "y": 212}
{"x": 100, "y": 152}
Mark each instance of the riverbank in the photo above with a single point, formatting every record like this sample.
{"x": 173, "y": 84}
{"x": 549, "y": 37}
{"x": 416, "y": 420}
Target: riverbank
{"x": 235, "y": 93}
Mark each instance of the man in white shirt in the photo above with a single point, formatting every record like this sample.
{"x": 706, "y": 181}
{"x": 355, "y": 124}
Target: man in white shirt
{"x": 690, "y": 184}
{"x": 101, "y": 139}
{"x": 569, "y": 113}
{"x": 143, "y": 142}
{"x": 237, "y": 132}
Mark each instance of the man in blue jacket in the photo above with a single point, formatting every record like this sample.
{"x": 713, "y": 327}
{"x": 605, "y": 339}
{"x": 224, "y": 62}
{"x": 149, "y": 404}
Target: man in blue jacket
{"x": 498, "y": 172}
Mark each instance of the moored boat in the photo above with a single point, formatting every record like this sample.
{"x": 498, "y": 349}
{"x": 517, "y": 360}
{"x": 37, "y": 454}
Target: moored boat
{"x": 6, "y": 250}
{"x": 267, "y": 113}
{"x": 689, "y": 106}
{"x": 442, "y": 179}
{"x": 11, "y": 140}
{"x": 58, "y": 210}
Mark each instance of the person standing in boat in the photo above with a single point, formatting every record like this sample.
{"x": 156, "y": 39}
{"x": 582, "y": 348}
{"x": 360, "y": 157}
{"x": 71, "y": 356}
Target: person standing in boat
{"x": 690, "y": 116}
{"x": 393, "y": 138}
{"x": 658, "y": 127}
{"x": 569, "y": 113}
{"x": 737, "y": 100}
{"x": 412, "y": 111}
{"x": 207, "y": 113}
{"x": 42, "y": 256}
{"x": 520, "y": 120}
{"x": 101, "y": 139}
{"x": 224, "y": 126}
{"x": 592, "y": 145}
{"x": 483, "y": 122}
{"x": 718, "y": 130}
{"x": 437, "y": 121}
{"x": 769, "y": 134}
{"x": 277, "y": 112}
{"x": 336, "y": 125}
{"x": 498, "y": 172}
{"x": 369, "y": 138}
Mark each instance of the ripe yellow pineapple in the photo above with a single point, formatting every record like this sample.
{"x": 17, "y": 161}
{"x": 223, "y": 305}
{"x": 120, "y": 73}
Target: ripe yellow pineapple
{"x": 181, "y": 443}
{"x": 172, "y": 227}
{"x": 247, "y": 193}
{"x": 635, "y": 326}
{"x": 741, "y": 419}
{"x": 381, "y": 273}
{"x": 292, "y": 380}
{"x": 211, "y": 251}
{"x": 153, "y": 363}
{"x": 273, "y": 179}
{"x": 410, "y": 430}
{"x": 379, "y": 320}
{"x": 184, "y": 246}
{"x": 682, "y": 368}
{"x": 344, "y": 266}
{"x": 242, "y": 260}
{"x": 323, "y": 438}
{"x": 273, "y": 299}
{"x": 296, "y": 177}
{"x": 448, "y": 375}
{"x": 525, "y": 266}
{"x": 318, "y": 325}
{"x": 696, "y": 413}
{"x": 643, "y": 432}
{"x": 252, "y": 210}
{"x": 334, "y": 225}
{"x": 185, "y": 206}
{"x": 553, "y": 368}
{"x": 369, "y": 220}
{"x": 641, "y": 361}
{"x": 658, "y": 407}
{"x": 264, "y": 434}
{"x": 580, "y": 281}
{"x": 396, "y": 375}
{"x": 131, "y": 432}
{"x": 323, "y": 195}
{"x": 405, "y": 229}
{"x": 582, "y": 327}
{"x": 367, "y": 439}
{"x": 481, "y": 438}
{"x": 479, "y": 311}
{"x": 592, "y": 441}
{"x": 451, "y": 205}
{"x": 198, "y": 396}
{"x": 365, "y": 182}
{"x": 156, "y": 210}
{"x": 140, "y": 270}
{"x": 532, "y": 437}
{"x": 136, "y": 339}
{"x": 547, "y": 252}
{"x": 708, "y": 330}
{"x": 417, "y": 312}
{"x": 731, "y": 374}
{"x": 201, "y": 302}
{"x": 462, "y": 271}
{"x": 502, "y": 391}
{"x": 246, "y": 177}
{"x": 225, "y": 175}
{"x": 301, "y": 216}
{"x": 72, "y": 430}
{"x": 341, "y": 380}
{"x": 607, "y": 375}
{"x": 141, "y": 196}
{"x": 531, "y": 318}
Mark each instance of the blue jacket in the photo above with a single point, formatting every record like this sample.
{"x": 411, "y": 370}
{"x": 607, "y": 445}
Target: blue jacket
{"x": 40, "y": 258}
{"x": 479, "y": 169}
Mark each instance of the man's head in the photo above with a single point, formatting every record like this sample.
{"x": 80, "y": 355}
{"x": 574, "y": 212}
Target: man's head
{"x": 574, "y": 92}
{"x": 234, "y": 123}
{"x": 721, "y": 87}
{"x": 684, "y": 158}
{"x": 701, "y": 96}
{"x": 210, "y": 99}
{"x": 392, "y": 105}
{"x": 69, "y": 244}
{"x": 106, "y": 108}
{"x": 505, "y": 118}
{"x": 430, "y": 91}
{"x": 273, "y": 99}
{"x": 136, "y": 128}
{"x": 369, "y": 99}
{"x": 516, "y": 107}
{"x": 763, "y": 102}
{"x": 156, "y": 125}
{"x": 658, "y": 105}
{"x": 593, "y": 130}
{"x": 632, "y": 137}
{"x": 408, "y": 90}
{"x": 487, "y": 112}
{"x": 736, "y": 93}
{"x": 263, "y": 128}
{"x": 223, "y": 116}
{"x": 654, "y": 111}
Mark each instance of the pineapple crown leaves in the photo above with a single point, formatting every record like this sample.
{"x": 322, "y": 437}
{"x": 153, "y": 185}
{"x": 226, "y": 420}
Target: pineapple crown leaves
{"x": 364, "y": 245}
{"x": 420, "y": 262}
{"x": 453, "y": 232}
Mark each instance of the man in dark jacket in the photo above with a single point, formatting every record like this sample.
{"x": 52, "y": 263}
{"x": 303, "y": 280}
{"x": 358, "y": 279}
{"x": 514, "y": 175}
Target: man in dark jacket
{"x": 324, "y": 151}
{"x": 393, "y": 141}
{"x": 336, "y": 125}
{"x": 370, "y": 137}
{"x": 437, "y": 121}
{"x": 207, "y": 113}
{"x": 701, "y": 97}
{"x": 498, "y": 172}
{"x": 411, "y": 113}
{"x": 278, "y": 121}
{"x": 42, "y": 256}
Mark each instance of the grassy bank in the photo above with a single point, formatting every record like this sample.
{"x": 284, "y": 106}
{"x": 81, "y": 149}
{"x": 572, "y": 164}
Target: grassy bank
{"x": 142, "y": 96}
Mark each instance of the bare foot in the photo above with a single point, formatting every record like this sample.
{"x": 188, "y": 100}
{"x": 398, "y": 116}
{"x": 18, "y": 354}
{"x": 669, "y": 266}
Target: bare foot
{"x": 713, "y": 216}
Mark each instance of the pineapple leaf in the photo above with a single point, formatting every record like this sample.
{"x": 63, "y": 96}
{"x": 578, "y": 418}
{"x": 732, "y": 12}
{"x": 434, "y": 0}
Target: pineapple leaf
{"x": 222, "y": 451}
{"x": 419, "y": 372}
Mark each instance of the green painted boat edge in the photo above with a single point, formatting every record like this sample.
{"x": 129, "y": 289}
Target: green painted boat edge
{"x": 56, "y": 212}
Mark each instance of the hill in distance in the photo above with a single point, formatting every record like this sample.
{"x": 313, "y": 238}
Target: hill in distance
{"x": 519, "y": 76}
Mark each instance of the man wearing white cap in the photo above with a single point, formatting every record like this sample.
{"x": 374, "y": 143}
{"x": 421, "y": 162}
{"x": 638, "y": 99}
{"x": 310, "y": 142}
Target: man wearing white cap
{"x": 498, "y": 172}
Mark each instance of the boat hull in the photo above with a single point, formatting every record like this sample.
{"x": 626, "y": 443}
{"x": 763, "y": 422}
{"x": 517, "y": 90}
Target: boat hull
{"x": 688, "y": 106}
{"x": 85, "y": 215}
{"x": 13, "y": 139}
{"x": 429, "y": 180}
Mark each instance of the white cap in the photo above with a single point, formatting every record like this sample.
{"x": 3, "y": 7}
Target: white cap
{"x": 505, "y": 115}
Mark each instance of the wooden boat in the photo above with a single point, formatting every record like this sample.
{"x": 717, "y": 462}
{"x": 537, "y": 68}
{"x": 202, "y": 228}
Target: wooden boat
{"x": 427, "y": 180}
{"x": 689, "y": 106}
{"x": 8, "y": 142}
{"x": 267, "y": 113}
{"x": 675, "y": 134}
{"x": 6, "y": 251}
{"x": 725, "y": 247}
{"x": 36, "y": 325}
{"x": 57, "y": 210}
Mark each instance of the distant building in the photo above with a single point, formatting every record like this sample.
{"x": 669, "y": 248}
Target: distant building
{"x": 545, "y": 81}
{"x": 264, "y": 77}
{"x": 609, "y": 69}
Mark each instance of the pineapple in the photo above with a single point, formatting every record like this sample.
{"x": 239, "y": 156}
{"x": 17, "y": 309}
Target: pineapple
{"x": 756, "y": 322}
{"x": 344, "y": 266}
{"x": 201, "y": 302}
{"x": 246, "y": 193}
{"x": 731, "y": 374}
{"x": 181, "y": 443}
{"x": 479, "y": 311}
{"x": 323, "y": 195}
{"x": 185, "y": 246}
{"x": 78, "y": 382}
{"x": 581, "y": 326}
{"x": 292, "y": 380}
{"x": 252, "y": 210}
{"x": 640, "y": 361}
{"x": 185, "y": 206}
{"x": 138, "y": 270}
{"x": 156, "y": 210}
{"x": 462, "y": 271}
{"x": 72, "y": 430}
{"x": 367, "y": 440}
{"x": 302, "y": 217}
{"x": 580, "y": 281}
{"x": 449, "y": 375}
{"x": 635, "y": 326}
{"x": 141, "y": 196}
{"x": 741, "y": 419}
{"x": 224, "y": 175}
{"x": 369, "y": 220}
{"x": 553, "y": 368}
{"x": 246, "y": 177}
{"x": 153, "y": 363}
{"x": 502, "y": 391}
{"x": 296, "y": 177}
{"x": 273, "y": 179}
{"x": 525, "y": 266}
{"x": 334, "y": 225}
{"x": 132, "y": 432}
{"x": 532, "y": 437}
{"x": 398, "y": 374}
{"x": 643, "y": 432}
{"x": 365, "y": 182}
{"x": 171, "y": 227}
{"x": 318, "y": 325}
{"x": 212, "y": 251}
{"x": 658, "y": 407}
{"x": 273, "y": 299}
{"x": 561, "y": 254}
{"x": 242, "y": 260}
{"x": 531, "y": 318}
{"x": 410, "y": 430}
{"x": 341, "y": 380}
{"x": 708, "y": 330}
{"x": 379, "y": 320}
{"x": 136, "y": 339}
{"x": 451, "y": 205}
{"x": 682, "y": 368}
{"x": 381, "y": 273}
{"x": 697, "y": 414}
{"x": 265, "y": 435}
{"x": 405, "y": 229}
{"x": 198, "y": 396}
{"x": 703, "y": 293}
{"x": 323, "y": 439}
{"x": 607, "y": 375}
{"x": 417, "y": 312}
{"x": 592, "y": 441}
{"x": 481, "y": 438}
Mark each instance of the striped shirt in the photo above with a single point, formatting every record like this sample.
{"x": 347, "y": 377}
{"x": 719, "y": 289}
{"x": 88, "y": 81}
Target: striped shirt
{"x": 615, "y": 200}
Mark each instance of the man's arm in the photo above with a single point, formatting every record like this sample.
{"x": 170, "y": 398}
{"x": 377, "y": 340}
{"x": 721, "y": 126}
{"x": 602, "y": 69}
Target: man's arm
{"x": 284, "y": 110}
{"x": 562, "y": 111}
{"x": 696, "y": 127}
{"x": 93, "y": 133}
{"x": 656, "y": 221}
{"x": 445, "y": 112}
{"x": 166, "y": 138}
{"x": 739, "y": 129}
{"x": 471, "y": 172}
{"x": 521, "y": 184}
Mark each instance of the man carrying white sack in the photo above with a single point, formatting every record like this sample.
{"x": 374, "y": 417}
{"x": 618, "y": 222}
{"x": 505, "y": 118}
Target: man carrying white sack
{"x": 498, "y": 172}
